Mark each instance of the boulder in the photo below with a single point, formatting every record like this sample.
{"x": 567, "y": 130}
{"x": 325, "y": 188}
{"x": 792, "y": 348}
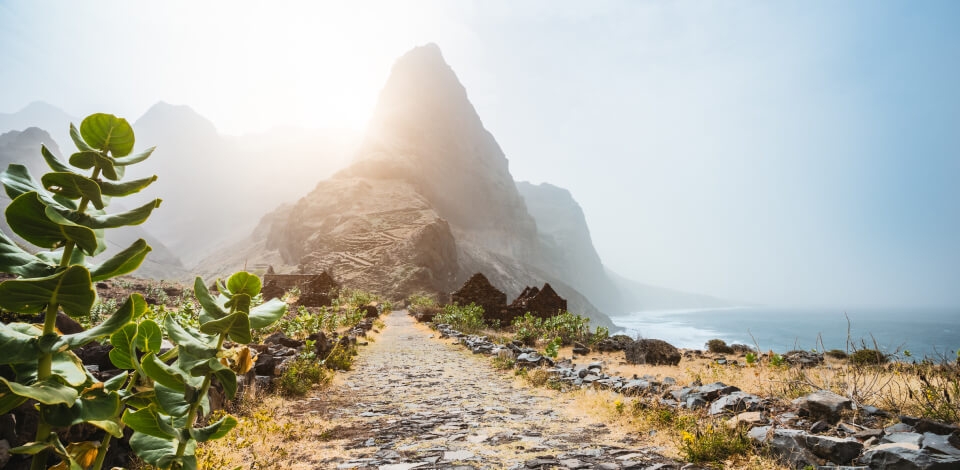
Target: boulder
{"x": 614, "y": 343}
{"x": 736, "y": 402}
{"x": 823, "y": 404}
{"x": 803, "y": 358}
{"x": 652, "y": 351}
{"x": 283, "y": 340}
{"x": 901, "y": 456}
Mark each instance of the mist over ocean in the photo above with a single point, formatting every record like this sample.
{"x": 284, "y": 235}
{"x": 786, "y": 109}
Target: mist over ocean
{"x": 924, "y": 332}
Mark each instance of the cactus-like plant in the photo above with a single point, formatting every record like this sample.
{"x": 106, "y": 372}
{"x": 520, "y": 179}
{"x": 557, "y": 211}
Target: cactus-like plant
{"x": 161, "y": 394}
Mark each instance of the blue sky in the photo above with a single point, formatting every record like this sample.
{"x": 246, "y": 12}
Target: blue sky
{"x": 787, "y": 153}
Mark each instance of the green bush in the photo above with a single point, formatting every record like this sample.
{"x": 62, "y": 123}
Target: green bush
{"x": 465, "y": 319}
{"x": 301, "y": 375}
{"x": 862, "y": 357}
{"x": 713, "y": 444}
{"x": 341, "y": 357}
{"x": 566, "y": 326}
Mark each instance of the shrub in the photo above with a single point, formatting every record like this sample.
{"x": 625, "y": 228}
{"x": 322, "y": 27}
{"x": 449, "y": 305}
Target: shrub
{"x": 718, "y": 346}
{"x": 301, "y": 374}
{"x": 741, "y": 348}
{"x": 837, "y": 354}
{"x": 863, "y": 357}
{"x": 566, "y": 326}
{"x": 713, "y": 444}
{"x": 466, "y": 319}
{"x": 341, "y": 357}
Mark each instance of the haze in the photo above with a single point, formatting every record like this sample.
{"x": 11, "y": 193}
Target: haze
{"x": 787, "y": 153}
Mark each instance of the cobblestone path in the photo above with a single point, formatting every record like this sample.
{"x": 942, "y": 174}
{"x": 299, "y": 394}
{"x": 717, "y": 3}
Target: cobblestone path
{"x": 416, "y": 402}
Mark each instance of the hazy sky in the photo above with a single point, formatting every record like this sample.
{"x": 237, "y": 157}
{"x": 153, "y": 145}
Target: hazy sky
{"x": 788, "y": 153}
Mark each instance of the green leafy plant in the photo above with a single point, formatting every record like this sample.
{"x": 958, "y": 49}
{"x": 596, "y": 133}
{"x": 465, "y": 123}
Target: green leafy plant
{"x": 160, "y": 394}
{"x": 751, "y": 358}
{"x": 465, "y": 319}
{"x": 64, "y": 216}
{"x": 553, "y": 348}
{"x": 776, "y": 360}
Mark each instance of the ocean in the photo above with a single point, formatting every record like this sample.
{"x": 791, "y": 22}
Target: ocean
{"x": 933, "y": 333}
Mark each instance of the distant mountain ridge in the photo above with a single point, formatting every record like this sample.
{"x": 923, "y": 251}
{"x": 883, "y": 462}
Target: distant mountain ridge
{"x": 427, "y": 201}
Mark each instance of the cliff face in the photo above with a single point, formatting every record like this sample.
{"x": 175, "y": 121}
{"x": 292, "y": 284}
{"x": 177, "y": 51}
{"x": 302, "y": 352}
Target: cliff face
{"x": 566, "y": 244}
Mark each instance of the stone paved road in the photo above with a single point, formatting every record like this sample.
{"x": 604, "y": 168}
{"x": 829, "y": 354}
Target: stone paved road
{"x": 414, "y": 402}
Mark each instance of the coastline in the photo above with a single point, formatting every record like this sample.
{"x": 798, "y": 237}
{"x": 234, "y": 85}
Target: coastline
{"x": 930, "y": 333}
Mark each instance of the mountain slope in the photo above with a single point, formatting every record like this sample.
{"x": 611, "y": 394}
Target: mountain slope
{"x": 42, "y": 115}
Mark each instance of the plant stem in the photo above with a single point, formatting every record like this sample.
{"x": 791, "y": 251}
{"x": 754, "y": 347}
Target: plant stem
{"x": 44, "y": 370}
{"x": 194, "y": 408}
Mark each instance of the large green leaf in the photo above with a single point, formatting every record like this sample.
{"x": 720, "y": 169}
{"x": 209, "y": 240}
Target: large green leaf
{"x": 73, "y": 186}
{"x": 149, "y": 336}
{"x": 17, "y": 261}
{"x": 92, "y": 405}
{"x": 196, "y": 364}
{"x": 228, "y": 379}
{"x": 48, "y": 391}
{"x": 239, "y": 303}
{"x": 119, "y": 264}
{"x": 122, "y": 341}
{"x": 78, "y": 141}
{"x": 267, "y": 313}
{"x": 194, "y": 344}
{"x": 66, "y": 218}
{"x": 90, "y": 159}
{"x": 211, "y": 309}
{"x": 215, "y": 430}
{"x": 131, "y": 217}
{"x": 157, "y": 451}
{"x": 163, "y": 374}
{"x": 244, "y": 283}
{"x": 17, "y": 180}
{"x": 65, "y": 365}
{"x": 171, "y": 401}
{"x": 28, "y": 217}
{"x": 116, "y": 382}
{"x": 71, "y": 289}
{"x": 149, "y": 421}
{"x": 135, "y": 158}
{"x": 236, "y": 325}
{"x": 18, "y": 346}
{"x": 127, "y": 188}
{"x": 88, "y": 239}
{"x": 107, "y": 132}
{"x": 53, "y": 161}
{"x": 132, "y": 307}
{"x": 9, "y": 400}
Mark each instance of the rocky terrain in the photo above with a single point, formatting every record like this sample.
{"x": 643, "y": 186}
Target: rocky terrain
{"x": 818, "y": 430}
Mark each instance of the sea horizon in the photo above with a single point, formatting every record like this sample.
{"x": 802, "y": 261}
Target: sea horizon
{"x": 908, "y": 333}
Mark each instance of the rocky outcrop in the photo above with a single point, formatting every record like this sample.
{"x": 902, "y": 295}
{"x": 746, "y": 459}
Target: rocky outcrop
{"x": 652, "y": 351}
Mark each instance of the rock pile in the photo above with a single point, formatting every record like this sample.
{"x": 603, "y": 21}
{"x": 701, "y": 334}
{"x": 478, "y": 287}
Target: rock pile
{"x": 812, "y": 431}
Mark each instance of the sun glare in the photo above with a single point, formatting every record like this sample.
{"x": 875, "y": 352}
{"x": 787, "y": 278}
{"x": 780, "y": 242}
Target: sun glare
{"x": 310, "y": 65}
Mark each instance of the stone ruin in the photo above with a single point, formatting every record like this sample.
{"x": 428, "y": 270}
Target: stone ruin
{"x": 478, "y": 290}
{"x": 543, "y": 303}
{"x": 316, "y": 290}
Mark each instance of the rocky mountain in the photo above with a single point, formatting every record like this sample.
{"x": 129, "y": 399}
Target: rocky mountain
{"x": 427, "y": 202}
{"x": 43, "y": 116}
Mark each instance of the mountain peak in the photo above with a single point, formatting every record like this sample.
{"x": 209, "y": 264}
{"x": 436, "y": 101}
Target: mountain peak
{"x": 164, "y": 115}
